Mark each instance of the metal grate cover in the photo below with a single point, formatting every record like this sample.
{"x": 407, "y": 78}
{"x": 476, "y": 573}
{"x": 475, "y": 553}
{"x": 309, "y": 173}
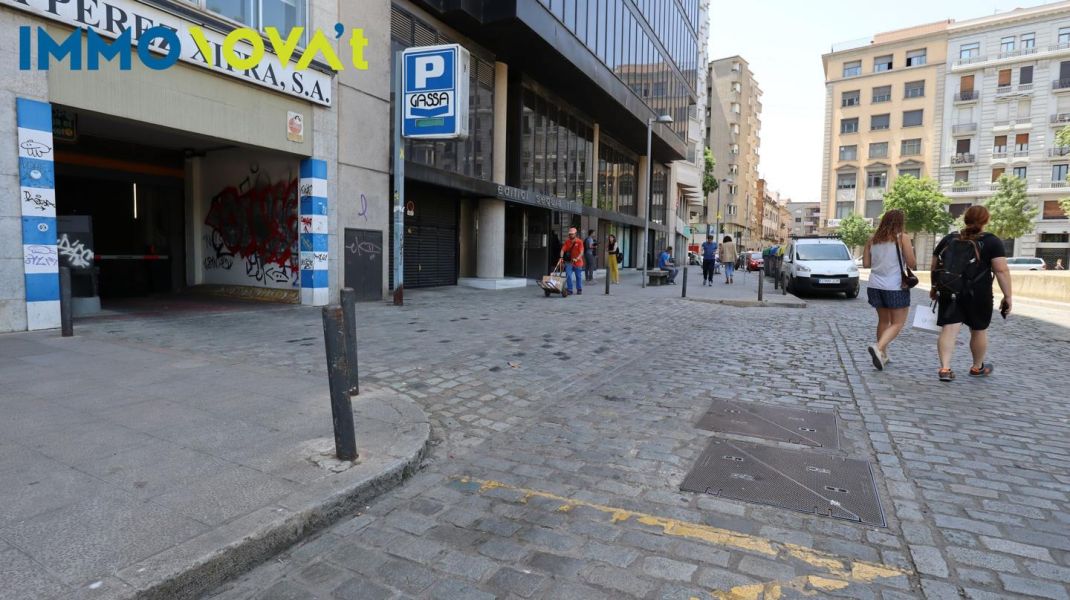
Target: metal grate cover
{"x": 805, "y": 427}
{"x": 809, "y": 482}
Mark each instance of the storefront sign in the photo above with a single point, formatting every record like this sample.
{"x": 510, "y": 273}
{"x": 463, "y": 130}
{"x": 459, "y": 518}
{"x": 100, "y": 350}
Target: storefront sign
{"x": 169, "y": 39}
{"x": 435, "y": 92}
{"x": 551, "y": 202}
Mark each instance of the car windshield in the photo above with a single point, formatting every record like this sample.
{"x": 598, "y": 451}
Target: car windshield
{"x": 756, "y": 255}
{"x": 823, "y": 252}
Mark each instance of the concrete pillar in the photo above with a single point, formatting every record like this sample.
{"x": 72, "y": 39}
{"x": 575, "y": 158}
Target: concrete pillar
{"x": 644, "y": 164}
{"x": 596, "y": 139}
{"x": 490, "y": 242}
{"x": 195, "y": 213}
{"x": 501, "y": 95}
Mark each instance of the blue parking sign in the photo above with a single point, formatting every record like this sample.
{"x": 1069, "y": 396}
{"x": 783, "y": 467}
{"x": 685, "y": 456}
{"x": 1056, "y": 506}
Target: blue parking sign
{"x": 435, "y": 92}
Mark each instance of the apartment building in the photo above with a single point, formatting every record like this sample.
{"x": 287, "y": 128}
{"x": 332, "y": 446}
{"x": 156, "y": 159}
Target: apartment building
{"x": 804, "y": 218}
{"x": 733, "y": 135}
{"x": 883, "y": 102}
{"x": 1008, "y": 94}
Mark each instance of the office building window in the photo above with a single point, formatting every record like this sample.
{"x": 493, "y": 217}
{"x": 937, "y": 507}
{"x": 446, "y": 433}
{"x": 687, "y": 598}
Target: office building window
{"x": 878, "y": 150}
{"x": 846, "y": 181}
{"x": 848, "y": 152}
{"x": 1052, "y": 210}
{"x": 882, "y": 94}
{"x": 1020, "y": 172}
{"x": 1021, "y": 142}
{"x": 849, "y": 125}
{"x": 915, "y": 58}
{"x": 1025, "y": 75}
{"x": 958, "y": 209}
{"x": 911, "y": 147}
{"x": 913, "y": 172}
{"x": 912, "y": 118}
{"x": 877, "y": 122}
{"x": 844, "y": 209}
{"x": 658, "y": 186}
{"x": 1029, "y": 40}
{"x": 874, "y": 208}
{"x": 997, "y": 173}
{"x": 852, "y": 98}
{"x": 852, "y": 69}
{"x": 962, "y": 176}
{"x": 1064, "y": 36}
{"x": 556, "y": 150}
{"x": 968, "y": 51}
{"x": 876, "y": 179}
{"x": 1003, "y": 78}
{"x": 1006, "y": 44}
{"x": 283, "y": 15}
{"x": 914, "y": 89}
{"x": 1059, "y": 172}
{"x": 882, "y": 63}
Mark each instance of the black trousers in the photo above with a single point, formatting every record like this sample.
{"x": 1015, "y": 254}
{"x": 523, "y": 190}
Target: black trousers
{"x": 707, "y": 270}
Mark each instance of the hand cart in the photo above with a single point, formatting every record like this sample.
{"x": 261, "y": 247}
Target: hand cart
{"x": 554, "y": 283}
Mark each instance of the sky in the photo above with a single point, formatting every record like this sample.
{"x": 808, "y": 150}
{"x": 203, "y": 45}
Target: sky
{"x": 783, "y": 41}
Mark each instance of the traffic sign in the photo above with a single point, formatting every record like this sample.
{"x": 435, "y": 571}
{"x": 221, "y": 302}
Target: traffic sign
{"x": 435, "y": 92}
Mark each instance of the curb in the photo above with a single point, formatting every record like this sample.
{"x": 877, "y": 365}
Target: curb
{"x": 197, "y": 566}
{"x": 754, "y": 303}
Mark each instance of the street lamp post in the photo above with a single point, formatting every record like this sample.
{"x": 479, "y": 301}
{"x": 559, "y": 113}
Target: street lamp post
{"x": 649, "y": 192}
{"x": 717, "y": 217}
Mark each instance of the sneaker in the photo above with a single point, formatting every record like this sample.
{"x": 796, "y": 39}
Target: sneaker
{"x": 579, "y": 292}
{"x": 984, "y": 371}
{"x": 878, "y": 358}
{"x": 946, "y": 375}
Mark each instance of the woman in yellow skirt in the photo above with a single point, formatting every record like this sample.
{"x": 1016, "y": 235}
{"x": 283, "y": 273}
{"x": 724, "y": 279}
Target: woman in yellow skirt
{"x": 612, "y": 256}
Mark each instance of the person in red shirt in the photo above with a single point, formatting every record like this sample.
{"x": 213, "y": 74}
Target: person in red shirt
{"x": 572, "y": 256}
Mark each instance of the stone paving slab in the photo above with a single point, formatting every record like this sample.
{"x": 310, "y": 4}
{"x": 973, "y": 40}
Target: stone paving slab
{"x": 133, "y": 470}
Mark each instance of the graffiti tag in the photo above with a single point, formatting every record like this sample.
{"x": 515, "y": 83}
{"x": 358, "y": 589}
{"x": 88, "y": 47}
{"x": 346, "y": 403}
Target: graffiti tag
{"x": 41, "y": 256}
{"x": 38, "y": 202}
{"x": 363, "y": 208}
{"x": 35, "y": 148}
{"x": 369, "y": 249}
{"x": 75, "y": 252}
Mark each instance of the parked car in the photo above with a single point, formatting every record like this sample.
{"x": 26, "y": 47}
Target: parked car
{"x": 819, "y": 264}
{"x": 694, "y": 258}
{"x": 755, "y": 261}
{"x": 1026, "y": 263}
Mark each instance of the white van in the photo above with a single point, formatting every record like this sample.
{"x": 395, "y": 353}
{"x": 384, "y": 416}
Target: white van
{"x": 819, "y": 264}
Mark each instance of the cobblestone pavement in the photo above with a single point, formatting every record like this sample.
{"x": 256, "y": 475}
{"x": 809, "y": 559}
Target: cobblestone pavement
{"x": 565, "y": 426}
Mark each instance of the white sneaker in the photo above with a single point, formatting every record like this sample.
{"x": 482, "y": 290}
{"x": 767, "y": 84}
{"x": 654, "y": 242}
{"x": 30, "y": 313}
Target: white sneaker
{"x": 878, "y": 358}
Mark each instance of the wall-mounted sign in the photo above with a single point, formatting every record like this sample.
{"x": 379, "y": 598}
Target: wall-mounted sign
{"x": 64, "y": 125}
{"x": 435, "y": 92}
{"x": 295, "y": 126}
{"x": 551, "y": 202}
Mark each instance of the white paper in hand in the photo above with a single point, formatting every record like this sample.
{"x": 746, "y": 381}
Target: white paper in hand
{"x": 925, "y": 318}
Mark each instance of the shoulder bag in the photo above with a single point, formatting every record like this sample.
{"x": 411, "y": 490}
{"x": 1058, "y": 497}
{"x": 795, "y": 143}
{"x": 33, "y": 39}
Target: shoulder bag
{"x": 909, "y": 278}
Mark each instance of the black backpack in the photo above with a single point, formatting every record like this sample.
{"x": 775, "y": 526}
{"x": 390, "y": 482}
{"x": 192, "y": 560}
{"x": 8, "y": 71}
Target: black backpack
{"x": 959, "y": 267}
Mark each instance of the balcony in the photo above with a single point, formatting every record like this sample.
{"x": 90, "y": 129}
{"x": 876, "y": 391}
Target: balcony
{"x": 1018, "y": 52}
{"x": 994, "y": 186}
{"x": 1060, "y": 85}
{"x": 1021, "y": 153}
{"x": 999, "y": 153}
{"x": 963, "y": 128}
{"x": 967, "y": 96}
{"x": 963, "y": 158}
{"x": 1060, "y": 118}
{"x": 970, "y": 60}
{"x": 1059, "y": 151}
{"x": 960, "y": 187}
{"x": 1053, "y": 184}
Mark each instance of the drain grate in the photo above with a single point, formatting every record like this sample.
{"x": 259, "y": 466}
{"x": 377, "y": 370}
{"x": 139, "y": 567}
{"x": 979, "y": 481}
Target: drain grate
{"x": 805, "y": 427}
{"x": 809, "y": 482}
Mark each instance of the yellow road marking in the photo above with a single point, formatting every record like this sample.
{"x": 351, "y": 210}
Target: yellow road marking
{"x": 842, "y": 572}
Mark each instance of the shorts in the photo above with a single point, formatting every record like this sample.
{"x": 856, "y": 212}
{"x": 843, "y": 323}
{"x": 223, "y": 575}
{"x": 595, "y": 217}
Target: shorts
{"x": 975, "y": 311}
{"x": 888, "y": 298}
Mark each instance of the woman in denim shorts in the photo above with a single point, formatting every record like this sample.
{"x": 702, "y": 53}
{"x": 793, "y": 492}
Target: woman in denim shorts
{"x": 886, "y": 253}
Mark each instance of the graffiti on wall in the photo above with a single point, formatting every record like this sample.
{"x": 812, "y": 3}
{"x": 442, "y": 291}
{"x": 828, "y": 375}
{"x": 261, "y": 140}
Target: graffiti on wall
{"x": 75, "y": 251}
{"x": 254, "y": 226}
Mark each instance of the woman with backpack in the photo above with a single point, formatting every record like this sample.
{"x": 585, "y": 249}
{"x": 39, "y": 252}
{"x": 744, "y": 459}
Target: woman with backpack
{"x": 886, "y": 254}
{"x": 963, "y": 267}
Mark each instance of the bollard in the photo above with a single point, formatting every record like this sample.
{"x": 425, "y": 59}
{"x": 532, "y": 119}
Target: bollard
{"x": 683, "y": 288}
{"x": 66, "y": 319}
{"x": 607, "y": 275}
{"x": 349, "y": 317}
{"x": 334, "y": 340}
{"x": 761, "y": 284}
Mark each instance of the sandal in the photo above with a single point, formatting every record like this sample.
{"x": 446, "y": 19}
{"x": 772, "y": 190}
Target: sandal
{"x": 984, "y": 371}
{"x": 946, "y": 375}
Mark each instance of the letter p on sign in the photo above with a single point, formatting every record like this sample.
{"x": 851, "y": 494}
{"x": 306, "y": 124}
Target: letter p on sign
{"x": 429, "y": 67}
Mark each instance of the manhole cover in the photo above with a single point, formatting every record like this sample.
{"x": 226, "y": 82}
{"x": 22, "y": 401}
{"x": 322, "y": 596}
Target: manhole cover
{"x": 808, "y": 482}
{"x": 805, "y": 427}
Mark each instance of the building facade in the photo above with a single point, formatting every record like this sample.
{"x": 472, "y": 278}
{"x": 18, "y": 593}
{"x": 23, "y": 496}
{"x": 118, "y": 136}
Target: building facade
{"x": 1008, "y": 94}
{"x": 147, "y": 181}
{"x": 883, "y": 112}
{"x": 733, "y": 133}
{"x": 804, "y": 218}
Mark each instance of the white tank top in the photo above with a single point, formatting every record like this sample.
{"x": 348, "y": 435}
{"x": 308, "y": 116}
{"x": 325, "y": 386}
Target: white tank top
{"x": 884, "y": 267}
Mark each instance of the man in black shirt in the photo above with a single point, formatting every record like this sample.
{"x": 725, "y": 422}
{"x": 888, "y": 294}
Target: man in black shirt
{"x": 964, "y": 292}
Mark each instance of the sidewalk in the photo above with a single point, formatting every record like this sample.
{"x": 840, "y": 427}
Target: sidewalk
{"x": 127, "y": 468}
{"x": 742, "y": 293}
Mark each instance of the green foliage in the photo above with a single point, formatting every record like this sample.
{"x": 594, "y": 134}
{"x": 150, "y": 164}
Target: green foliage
{"x": 1062, "y": 138}
{"x": 709, "y": 181}
{"x": 1064, "y": 203}
{"x": 924, "y": 206}
{"x": 1011, "y": 212}
{"x": 855, "y": 231}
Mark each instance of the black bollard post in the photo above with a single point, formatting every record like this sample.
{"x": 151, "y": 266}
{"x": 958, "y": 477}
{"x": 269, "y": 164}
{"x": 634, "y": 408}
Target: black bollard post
{"x": 66, "y": 318}
{"x": 761, "y": 284}
{"x": 349, "y": 317}
{"x": 607, "y": 274}
{"x": 683, "y": 288}
{"x": 334, "y": 339}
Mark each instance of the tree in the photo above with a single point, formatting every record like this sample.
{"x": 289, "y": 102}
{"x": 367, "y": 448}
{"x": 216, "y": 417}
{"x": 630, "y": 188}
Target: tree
{"x": 709, "y": 180}
{"x": 1064, "y": 203}
{"x": 924, "y": 206}
{"x": 855, "y": 231}
{"x": 1062, "y": 138}
{"x": 1011, "y": 212}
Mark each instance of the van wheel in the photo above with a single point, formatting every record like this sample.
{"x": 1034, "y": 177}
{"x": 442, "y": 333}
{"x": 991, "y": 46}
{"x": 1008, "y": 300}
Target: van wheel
{"x": 853, "y": 293}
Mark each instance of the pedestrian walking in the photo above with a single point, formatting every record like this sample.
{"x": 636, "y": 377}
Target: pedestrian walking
{"x": 613, "y": 256}
{"x": 886, "y": 254}
{"x": 666, "y": 263}
{"x": 964, "y": 264}
{"x": 590, "y": 250}
{"x": 729, "y": 255}
{"x": 572, "y": 256}
{"x": 709, "y": 260}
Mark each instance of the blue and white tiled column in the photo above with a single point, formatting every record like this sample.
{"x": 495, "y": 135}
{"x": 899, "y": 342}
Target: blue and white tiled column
{"x": 37, "y": 191}
{"x": 313, "y": 230}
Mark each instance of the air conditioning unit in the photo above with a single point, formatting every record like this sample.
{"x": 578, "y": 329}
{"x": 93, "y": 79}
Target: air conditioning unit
{"x": 833, "y": 222}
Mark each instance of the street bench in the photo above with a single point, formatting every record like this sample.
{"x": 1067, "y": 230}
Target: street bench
{"x": 657, "y": 277}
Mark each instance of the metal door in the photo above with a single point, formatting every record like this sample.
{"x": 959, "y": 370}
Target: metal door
{"x": 363, "y": 263}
